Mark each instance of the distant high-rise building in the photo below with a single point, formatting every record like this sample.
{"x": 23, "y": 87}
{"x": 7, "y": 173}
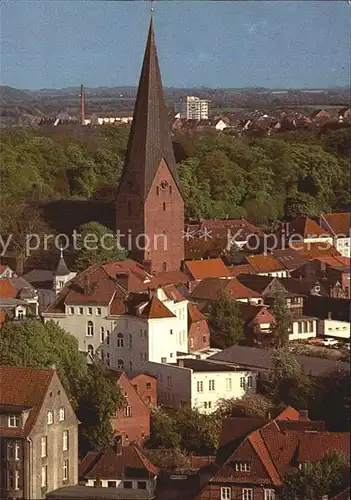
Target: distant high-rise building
{"x": 193, "y": 108}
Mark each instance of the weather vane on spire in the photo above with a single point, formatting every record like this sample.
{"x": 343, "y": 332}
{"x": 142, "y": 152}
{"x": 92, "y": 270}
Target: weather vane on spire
{"x": 152, "y": 6}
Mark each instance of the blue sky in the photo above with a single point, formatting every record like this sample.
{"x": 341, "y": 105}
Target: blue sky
{"x": 274, "y": 44}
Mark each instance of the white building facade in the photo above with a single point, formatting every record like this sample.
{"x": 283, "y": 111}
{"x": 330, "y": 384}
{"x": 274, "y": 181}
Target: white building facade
{"x": 193, "y": 108}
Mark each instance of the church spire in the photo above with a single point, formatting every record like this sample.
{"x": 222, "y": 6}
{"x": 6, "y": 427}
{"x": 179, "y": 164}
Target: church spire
{"x": 150, "y": 136}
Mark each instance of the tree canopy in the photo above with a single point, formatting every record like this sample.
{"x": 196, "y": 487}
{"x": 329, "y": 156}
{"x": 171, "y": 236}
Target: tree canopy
{"x": 225, "y": 320}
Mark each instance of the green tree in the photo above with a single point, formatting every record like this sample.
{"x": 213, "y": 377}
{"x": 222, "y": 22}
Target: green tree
{"x": 225, "y": 320}
{"x": 163, "y": 432}
{"x": 289, "y": 385}
{"x": 199, "y": 432}
{"x": 316, "y": 479}
{"x": 93, "y": 393}
{"x": 282, "y": 318}
{"x": 332, "y": 401}
{"x": 95, "y": 247}
{"x": 251, "y": 405}
{"x": 195, "y": 191}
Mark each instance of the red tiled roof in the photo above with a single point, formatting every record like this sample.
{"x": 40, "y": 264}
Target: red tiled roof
{"x": 289, "y": 413}
{"x": 241, "y": 269}
{"x": 173, "y": 293}
{"x": 155, "y": 309}
{"x": 237, "y": 290}
{"x": 335, "y": 261}
{"x": 337, "y": 223}
{"x": 306, "y": 227}
{"x": 313, "y": 445}
{"x": 166, "y": 278}
{"x": 264, "y": 263}
{"x": 26, "y": 387}
{"x": 194, "y": 313}
{"x": 131, "y": 463}
{"x": 7, "y": 290}
{"x": 210, "y": 268}
{"x": 209, "y": 288}
{"x": 314, "y": 250}
{"x": 259, "y": 445}
{"x": 255, "y": 315}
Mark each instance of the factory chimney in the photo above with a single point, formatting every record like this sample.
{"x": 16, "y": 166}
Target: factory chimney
{"x": 82, "y": 105}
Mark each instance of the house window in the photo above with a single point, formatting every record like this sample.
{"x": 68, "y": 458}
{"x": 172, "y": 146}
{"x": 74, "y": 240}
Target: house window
{"x": 50, "y": 417}
{"x": 80, "y": 310}
{"x": 9, "y": 450}
{"x": 269, "y": 494}
{"x": 65, "y": 440}
{"x": 108, "y": 359}
{"x": 157, "y": 190}
{"x": 171, "y": 331}
{"x": 247, "y": 494}
{"x": 90, "y": 350}
{"x": 211, "y": 385}
{"x": 311, "y": 326}
{"x": 169, "y": 381}
{"x": 98, "y": 311}
{"x": 130, "y": 341}
{"x": 163, "y": 360}
{"x": 242, "y": 467}
{"x": 249, "y": 382}
{"x": 71, "y": 310}
{"x": 204, "y": 339}
{"x": 102, "y": 334}
{"x": 107, "y": 337}
{"x": 120, "y": 340}
{"x": 164, "y": 206}
{"x": 200, "y": 386}
{"x": 90, "y": 329}
{"x": 299, "y": 328}
{"x": 13, "y": 480}
{"x": 61, "y": 414}
{"x": 228, "y": 384}
{"x": 120, "y": 364}
{"x": 65, "y": 470}
{"x": 44, "y": 476}
{"x": 112, "y": 484}
{"x": 128, "y": 411}
{"x": 141, "y": 485}
{"x": 164, "y": 266}
{"x": 242, "y": 383}
{"x": 17, "y": 451}
{"x": 148, "y": 385}
{"x": 90, "y": 311}
{"x": 14, "y": 421}
{"x": 43, "y": 446}
{"x": 128, "y": 484}
{"x": 226, "y": 493}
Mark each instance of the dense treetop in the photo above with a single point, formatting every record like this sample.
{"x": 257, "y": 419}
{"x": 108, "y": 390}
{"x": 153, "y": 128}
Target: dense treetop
{"x": 263, "y": 179}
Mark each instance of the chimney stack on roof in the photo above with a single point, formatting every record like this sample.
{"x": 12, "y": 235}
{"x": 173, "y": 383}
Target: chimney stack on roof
{"x": 303, "y": 415}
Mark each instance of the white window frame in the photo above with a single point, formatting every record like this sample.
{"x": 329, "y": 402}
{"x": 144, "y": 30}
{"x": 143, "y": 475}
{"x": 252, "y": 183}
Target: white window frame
{"x": 71, "y": 310}
{"x": 44, "y": 446}
{"x": 65, "y": 442}
{"x": 102, "y": 334}
{"x": 50, "y": 417}
{"x": 120, "y": 364}
{"x": 200, "y": 386}
{"x": 242, "y": 383}
{"x": 9, "y": 450}
{"x": 211, "y": 385}
{"x": 80, "y": 311}
{"x": 17, "y": 479}
{"x": 14, "y": 421}
{"x": 65, "y": 467}
{"x": 247, "y": 494}
{"x": 226, "y": 493}
{"x": 269, "y": 494}
{"x": 128, "y": 411}
{"x": 250, "y": 382}
{"x": 90, "y": 329}
{"x": 98, "y": 311}
{"x": 61, "y": 414}
{"x": 90, "y": 311}
{"x": 120, "y": 340}
{"x": 228, "y": 384}
{"x": 44, "y": 476}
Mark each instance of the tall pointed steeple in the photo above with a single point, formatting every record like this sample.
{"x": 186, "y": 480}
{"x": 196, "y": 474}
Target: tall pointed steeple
{"x": 149, "y": 201}
{"x": 150, "y": 135}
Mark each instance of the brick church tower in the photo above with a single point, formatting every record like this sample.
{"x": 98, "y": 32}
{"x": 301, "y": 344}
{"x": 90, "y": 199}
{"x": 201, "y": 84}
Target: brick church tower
{"x": 149, "y": 205}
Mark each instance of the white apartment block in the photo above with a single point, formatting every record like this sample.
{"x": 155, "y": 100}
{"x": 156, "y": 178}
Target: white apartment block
{"x": 153, "y": 331}
{"x": 193, "y": 108}
{"x": 199, "y": 383}
{"x": 303, "y": 328}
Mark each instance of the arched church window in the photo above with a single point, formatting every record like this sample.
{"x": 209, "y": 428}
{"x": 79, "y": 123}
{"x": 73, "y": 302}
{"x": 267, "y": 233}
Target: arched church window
{"x": 90, "y": 329}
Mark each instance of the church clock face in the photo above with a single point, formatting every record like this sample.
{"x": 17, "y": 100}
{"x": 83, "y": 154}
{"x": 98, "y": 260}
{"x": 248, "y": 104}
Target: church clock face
{"x": 164, "y": 185}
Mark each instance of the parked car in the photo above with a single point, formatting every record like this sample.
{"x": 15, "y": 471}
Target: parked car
{"x": 330, "y": 342}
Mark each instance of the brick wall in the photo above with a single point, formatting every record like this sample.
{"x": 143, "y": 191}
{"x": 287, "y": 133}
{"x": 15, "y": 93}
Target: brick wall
{"x": 146, "y": 387}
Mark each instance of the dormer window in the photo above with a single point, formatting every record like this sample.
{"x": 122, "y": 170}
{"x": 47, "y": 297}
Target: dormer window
{"x": 242, "y": 467}
{"x": 14, "y": 421}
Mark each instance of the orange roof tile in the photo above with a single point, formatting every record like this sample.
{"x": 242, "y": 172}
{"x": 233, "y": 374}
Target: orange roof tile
{"x": 209, "y": 268}
{"x": 314, "y": 250}
{"x": 7, "y": 290}
{"x": 194, "y": 313}
{"x": 337, "y": 223}
{"x": 241, "y": 269}
{"x": 260, "y": 447}
{"x": 26, "y": 387}
{"x": 264, "y": 263}
{"x": 236, "y": 290}
{"x": 307, "y": 228}
{"x": 155, "y": 309}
